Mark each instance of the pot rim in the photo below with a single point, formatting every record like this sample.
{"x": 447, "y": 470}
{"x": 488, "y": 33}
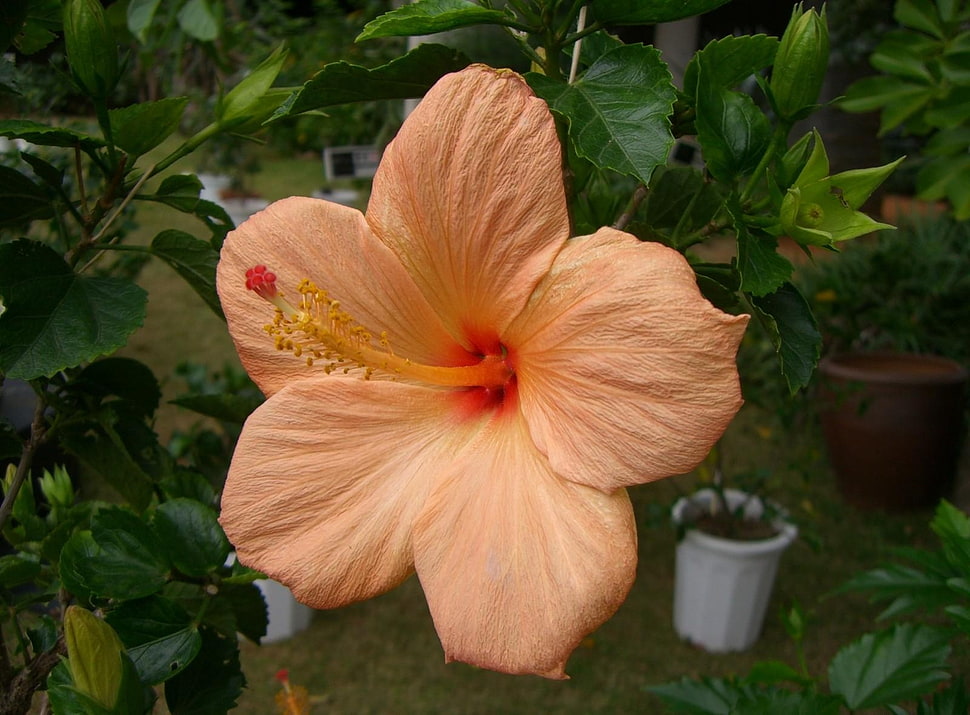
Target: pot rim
{"x": 787, "y": 532}
{"x": 893, "y": 367}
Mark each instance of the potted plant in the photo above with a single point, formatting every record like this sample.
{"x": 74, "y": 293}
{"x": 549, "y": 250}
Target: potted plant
{"x": 893, "y": 312}
{"x": 726, "y": 562}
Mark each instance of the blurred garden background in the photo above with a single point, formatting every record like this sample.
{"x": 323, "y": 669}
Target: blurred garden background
{"x": 382, "y": 656}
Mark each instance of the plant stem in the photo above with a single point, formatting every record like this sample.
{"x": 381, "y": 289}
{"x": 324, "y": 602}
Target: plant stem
{"x": 639, "y": 194}
{"x": 38, "y": 431}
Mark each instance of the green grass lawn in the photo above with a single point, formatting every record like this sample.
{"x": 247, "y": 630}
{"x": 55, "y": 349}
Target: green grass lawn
{"x": 383, "y": 656}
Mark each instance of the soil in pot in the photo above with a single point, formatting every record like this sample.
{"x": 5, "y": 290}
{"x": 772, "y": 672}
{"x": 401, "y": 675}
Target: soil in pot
{"x": 727, "y": 526}
{"x": 893, "y": 424}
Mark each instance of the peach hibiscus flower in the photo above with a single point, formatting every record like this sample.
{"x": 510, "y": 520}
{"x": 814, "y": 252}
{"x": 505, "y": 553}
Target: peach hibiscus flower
{"x": 472, "y": 389}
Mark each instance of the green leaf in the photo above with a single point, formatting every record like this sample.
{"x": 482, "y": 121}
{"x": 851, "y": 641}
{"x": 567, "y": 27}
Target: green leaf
{"x": 707, "y": 696}
{"x": 406, "y": 77}
{"x": 426, "y": 17}
{"x": 763, "y": 270}
{"x": 733, "y": 132}
{"x": 618, "y": 111}
{"x": 213, "y": 681}
{"x": 159, "y": 635}
{"x": 189, "y": 484}
{"x": 681, "y": 203}
{"x": 190, "y": 536}
{"x": 181, "y": 192}
{"x": 17, "y": 569}
{"x": 952, "y": 526}
{"x": 776, "y": 700}
{"x": 954, "y": 700}
{"x": 100, "y": 444}
{"x": 195, "y": 260}
{"x": 119, "y": 558}
{"x": 247, "y": 605}
{"x": 919, "y": 15}
{"x": 649, "y": 12}
{"x": 907, "y": 588}
{"x": 197, "y": 19}
{"x": 793, "y": 332}
{"x": 139, "y": 128}
{"x": 772, "y": 672}
{"x": 21, "y": 200}
{"x": 730, "y": 60}
{"x": 898, "y": 99}
{"x": 43, "y": 135}
{"x": 139, "y": 17}
{"x": 38, "y": 30}
{"x": 901, "y": 663}
{"x": 44, "y": 170}
{"x": 56, "y": 319}
{"x": 223, "y": 406}
{"x": 242, "y": 100}
{"x": 65, "y": 698}
{"x": 126, "y": 378}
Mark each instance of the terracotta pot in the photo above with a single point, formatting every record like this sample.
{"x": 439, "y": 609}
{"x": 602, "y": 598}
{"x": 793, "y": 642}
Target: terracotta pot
{"x": 893, "y": 424}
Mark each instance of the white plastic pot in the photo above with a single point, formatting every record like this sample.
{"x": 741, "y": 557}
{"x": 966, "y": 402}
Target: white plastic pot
{"x": 723, "y": 586}
{"x": 287, "y": 616}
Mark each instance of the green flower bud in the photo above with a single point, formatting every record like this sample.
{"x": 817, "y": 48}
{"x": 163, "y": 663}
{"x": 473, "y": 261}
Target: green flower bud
{"x": 800, "y": 64}
{"x": 245, "y": 99}
{"x": 94, "y": 654}
{"x": 91, "y": 49}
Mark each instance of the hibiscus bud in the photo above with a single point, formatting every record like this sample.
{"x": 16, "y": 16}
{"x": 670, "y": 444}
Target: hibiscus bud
{"x": 245, "y": 99}
{"x": 91, "y": 49}
{"x": 94, "y": 656}
{"x": 800, "y": 64}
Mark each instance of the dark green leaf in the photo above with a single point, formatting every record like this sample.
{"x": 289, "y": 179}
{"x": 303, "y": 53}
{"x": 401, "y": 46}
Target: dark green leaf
{"x": 101, "y": 447}
{"x": 793, "y": 332}
{"x": 213, "y": 681}
{"x": 953, "y": 528}
{"x": 17, "y": 569}
{"x": 763, "y": 270}
{"x": 733, "y": 132}
{"x": 772, "y": 672}
{"x": 707, "y": 696}
{"x": 730, "y": 60}
{"x": 159, "y": 635}
{"x": 43, "y": 135}
{"x": 190, "y": 485}
{"x": 13, "y": 15}
{"x": 899, "y": 100}
{"x": 426, "y": 17}
{"x": 246, "y": 603}
{"x": 618, "y": 111}
{"x": 907, "y": 588}
{"x": 901, "y": 663}
{"x": 719, "y": 283}
{"x": 774, "y": 701}
{"x": 920, "y": 15}
{"x": 139, "y": 128}
{"x": 191, "y": 536}
{"x": 44, "y": 170}
{"x": 38, "y": 31}
{"x": 126, "y": 378}
{"x": 223, "y": 406}
{"x": 119, "y": 558}
{"x": 21, "y": 200}
{"x": 406, "y": 77}
{"x": 681, "y": 203}
{"x": 195, "y": 260}
{"x": 954, "y": 700}
{"x": 649, "y": 12}
{"x": 56, "y": 319}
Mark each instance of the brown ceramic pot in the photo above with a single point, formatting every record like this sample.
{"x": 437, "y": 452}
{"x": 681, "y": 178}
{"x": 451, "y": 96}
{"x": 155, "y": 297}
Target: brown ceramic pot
{"x": 893, "y": 424}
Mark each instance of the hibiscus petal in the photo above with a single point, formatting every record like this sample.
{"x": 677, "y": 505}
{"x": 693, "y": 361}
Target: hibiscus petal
{"x": 626, "y": 374}
{"x": 469, "y": 195}
{"x": 517, "y": 564}
{"x": 327, "y": 478}
{"x": 332, "y": 245}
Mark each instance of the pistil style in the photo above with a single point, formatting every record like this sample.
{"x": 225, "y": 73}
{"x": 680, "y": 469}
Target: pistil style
{"x": 319, "y": 330}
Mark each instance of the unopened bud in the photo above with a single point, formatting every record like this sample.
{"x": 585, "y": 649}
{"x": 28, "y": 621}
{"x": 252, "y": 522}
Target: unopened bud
{"x": 800, "y": 64}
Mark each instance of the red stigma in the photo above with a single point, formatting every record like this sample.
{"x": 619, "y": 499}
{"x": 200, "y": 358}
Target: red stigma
{"x": 261, "y": 281}
{"x": 283, "y": 675}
